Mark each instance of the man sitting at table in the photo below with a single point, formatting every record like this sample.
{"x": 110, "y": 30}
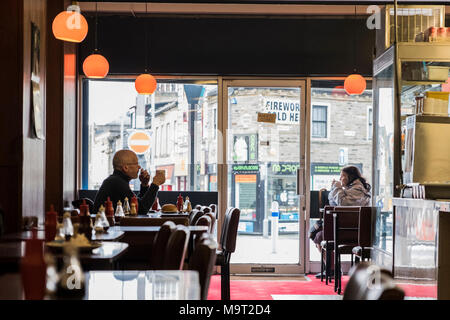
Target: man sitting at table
{"x": 117, "y": 185}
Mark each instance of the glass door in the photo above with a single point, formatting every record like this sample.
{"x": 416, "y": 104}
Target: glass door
{"x": 264, "y": 173}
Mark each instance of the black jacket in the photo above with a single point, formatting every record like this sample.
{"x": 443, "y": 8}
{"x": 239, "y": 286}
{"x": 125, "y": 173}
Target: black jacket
{"x": 117, "y": 187}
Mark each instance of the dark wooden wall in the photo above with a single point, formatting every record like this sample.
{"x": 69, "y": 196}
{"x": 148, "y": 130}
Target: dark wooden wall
{"x": 61, "y": 117}
{"x": 22, "y": 158}
{"x": 32, "y": 170}
{"x": 11, "y": 110}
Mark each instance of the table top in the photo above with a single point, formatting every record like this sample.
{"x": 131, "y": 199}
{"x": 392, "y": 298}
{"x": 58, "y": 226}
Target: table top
{"x": 123, "y": 285}
{"x": 12, "y": 252}
{"x": 25, "y": 235}
{"x": 192, "y": 229}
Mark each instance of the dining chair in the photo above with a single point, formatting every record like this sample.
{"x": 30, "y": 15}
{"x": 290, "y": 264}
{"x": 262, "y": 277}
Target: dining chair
{"x": 211, "y": 215}
{"x": 196, "y": 214}
{"x": 205, "y": 209}
{"x": 176, "y": 248}
{"x": 203, "y": 260}
{"x": 370, "y": 282}
{"x": 327, "y": 244}
{"x": 367, "y": 224}
{"x": 345, "y": 231}
{"x": 213, "y": 208}
{"x": 204, "y": 220}
{"x": 159, "y": 245}
{"x": 228, "y": 246}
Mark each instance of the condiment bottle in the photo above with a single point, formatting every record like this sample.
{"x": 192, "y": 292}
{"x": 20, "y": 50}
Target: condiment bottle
{"x": 67, "y": 225}
{"x": 109, "y": 211}
{"x": 52, "y": 276}
{"x": 33, "y": 268}
{"x": 85, "y": 221}
{"x": 84, "y": 209}
{"x": 72, "y": 282}
{"x": 126, "y": 206}
{"x": 135, "y": 201}
{"x": 104, "y": 220}
{"x": 51, "y": 219}
{"x": 186, "y": 205}
{"x": 180, "y": 203}
{"x": 133, "y": 211}
{"x": 119, "y": 211}
{"x": 155, "y": 206}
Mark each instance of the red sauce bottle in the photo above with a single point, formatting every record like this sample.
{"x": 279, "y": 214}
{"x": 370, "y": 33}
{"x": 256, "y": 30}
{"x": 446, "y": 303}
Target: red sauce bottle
{"x": 51, "y": 219}
{"x": 33, "y": 269}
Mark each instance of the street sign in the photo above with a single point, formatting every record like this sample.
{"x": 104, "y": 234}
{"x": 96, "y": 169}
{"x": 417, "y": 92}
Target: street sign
{"x": 139, "y": 142}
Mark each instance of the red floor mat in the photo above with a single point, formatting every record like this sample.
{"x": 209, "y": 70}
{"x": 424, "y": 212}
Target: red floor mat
{"x": 263, "y": 289}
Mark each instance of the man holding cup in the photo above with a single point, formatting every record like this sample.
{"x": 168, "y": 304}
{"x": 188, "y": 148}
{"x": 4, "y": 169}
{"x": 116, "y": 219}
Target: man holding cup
{"x": 117, "y": 186}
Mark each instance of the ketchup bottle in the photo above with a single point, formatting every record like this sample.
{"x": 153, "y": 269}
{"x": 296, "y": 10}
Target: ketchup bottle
{"x": 135, "y": 201}
{"x": 33, "y": 269}
{"x": 180, "y": 203}
{"x": 51, "y": 219}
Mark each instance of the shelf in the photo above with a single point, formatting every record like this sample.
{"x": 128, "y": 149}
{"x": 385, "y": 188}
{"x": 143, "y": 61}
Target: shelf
{"x": 421, "y": 82}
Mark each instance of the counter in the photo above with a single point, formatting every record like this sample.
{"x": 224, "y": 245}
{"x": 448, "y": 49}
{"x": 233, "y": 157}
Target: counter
{"x": 422, "y": 243}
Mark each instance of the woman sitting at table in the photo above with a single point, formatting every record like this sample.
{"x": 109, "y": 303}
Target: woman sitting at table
{"x": 352, "y": 189}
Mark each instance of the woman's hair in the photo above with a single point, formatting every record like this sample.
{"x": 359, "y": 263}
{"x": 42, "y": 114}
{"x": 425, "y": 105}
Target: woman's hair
{"x": 353, "y": 174}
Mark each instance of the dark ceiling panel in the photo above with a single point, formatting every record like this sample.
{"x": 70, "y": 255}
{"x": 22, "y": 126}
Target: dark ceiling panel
{"x": 240, "y": 46}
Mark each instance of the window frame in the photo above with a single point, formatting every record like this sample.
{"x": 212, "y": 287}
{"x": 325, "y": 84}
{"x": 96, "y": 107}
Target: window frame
{"x": 328, "y": 133}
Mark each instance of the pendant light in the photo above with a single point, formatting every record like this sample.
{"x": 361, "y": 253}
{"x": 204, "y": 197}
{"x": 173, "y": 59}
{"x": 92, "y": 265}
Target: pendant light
{"x": 354, "y": 84}
{"x": 96, "y": 66}
{"x": 145, "y": 83}
{"x": 70, "y": 25}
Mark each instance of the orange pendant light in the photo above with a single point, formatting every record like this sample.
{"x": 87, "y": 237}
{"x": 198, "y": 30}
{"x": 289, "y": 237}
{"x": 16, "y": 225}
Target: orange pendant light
{"x": 145, "y": 84}
{"x": 95, "y": 66}
{"x": 70, "y": 26}
{"x": 354, "y": 84}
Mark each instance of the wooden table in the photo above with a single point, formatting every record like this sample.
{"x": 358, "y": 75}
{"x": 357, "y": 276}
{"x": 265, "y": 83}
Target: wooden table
{"x": 122, "y": 285}
{"x": 111, "y": 235}
{"x": 196, "y": 230}
{"x": 140, "y": 239}
{"x": 104, "y": 257}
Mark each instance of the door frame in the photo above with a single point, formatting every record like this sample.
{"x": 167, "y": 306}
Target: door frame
{"x": 303, "y": 84}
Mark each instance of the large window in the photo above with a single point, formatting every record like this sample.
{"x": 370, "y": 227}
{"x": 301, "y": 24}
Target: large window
{"x": 162, "y": 129}
{"x": 341, "y": 127}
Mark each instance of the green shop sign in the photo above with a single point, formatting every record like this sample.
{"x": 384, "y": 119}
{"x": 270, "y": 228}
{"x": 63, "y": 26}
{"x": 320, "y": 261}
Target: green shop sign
{"x": 284, "y": 168}
{"x": 246, "y": 167}
{"x": 330, "y": 168}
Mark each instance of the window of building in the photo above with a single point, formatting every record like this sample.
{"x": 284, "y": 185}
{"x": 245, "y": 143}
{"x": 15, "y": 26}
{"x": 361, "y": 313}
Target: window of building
{"x": 113, "y": 112}
{"x": 319, "y": 121}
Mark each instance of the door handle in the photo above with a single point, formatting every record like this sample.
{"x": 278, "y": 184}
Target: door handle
{"x": 300, "y": 181}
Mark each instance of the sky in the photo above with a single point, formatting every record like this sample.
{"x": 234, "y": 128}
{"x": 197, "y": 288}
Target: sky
{"x": 108, "y": 100}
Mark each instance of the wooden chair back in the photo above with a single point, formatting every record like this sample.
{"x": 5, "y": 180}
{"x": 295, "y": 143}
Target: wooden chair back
{"x": 176, "y": 249}
{"x": 229, "y": 229}
{"x": 203, "y": 260}
{"x": 160, "y": 243}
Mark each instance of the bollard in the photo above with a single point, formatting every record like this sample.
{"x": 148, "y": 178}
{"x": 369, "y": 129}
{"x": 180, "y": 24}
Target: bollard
{"x": 275, "y": 216}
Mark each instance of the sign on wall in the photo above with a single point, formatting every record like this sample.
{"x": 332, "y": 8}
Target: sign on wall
{"x": 139, "y": 142}
{"x": 287, "y": 110}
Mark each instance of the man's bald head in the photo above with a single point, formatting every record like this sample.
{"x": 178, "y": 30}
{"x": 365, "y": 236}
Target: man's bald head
{"x": 123, "y": 158}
